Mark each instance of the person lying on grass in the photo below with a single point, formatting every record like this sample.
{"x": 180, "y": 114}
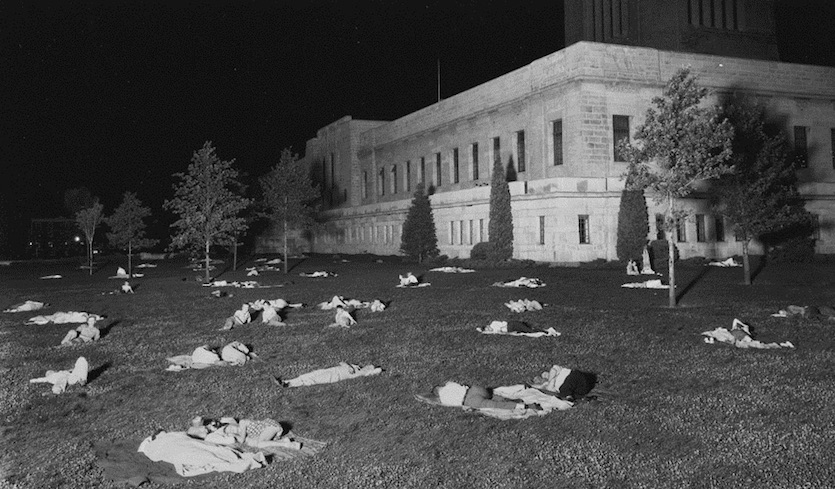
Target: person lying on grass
{"x": 82, "y": 334}
{"x": 343, "y": 371}
{"x": 265, "y": 434}
{"x": 565, "y": 383}
{"x": 808, "y": 312}
{"x": 477, "y": 397}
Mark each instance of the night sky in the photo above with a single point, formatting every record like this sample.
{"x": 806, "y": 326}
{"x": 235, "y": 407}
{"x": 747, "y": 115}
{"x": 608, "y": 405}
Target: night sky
{"x": 116, "y": 95}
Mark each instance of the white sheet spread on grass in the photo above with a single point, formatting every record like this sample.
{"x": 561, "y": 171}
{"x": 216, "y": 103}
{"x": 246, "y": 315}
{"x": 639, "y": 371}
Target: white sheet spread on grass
{"x": 730, "y": 262}
{"x": 649, "y": 284}
{"x": 47, "y": 277}
{"x": 251, "y": 284}
{"x": 452, "y": 270}
{"x": 319, "y": 274}
{"x": 343, "y": 371}
{"x": 409, "y": 280}
{"x": 338, "y": 300}
{"x": 740, "y": 336}
{"x": 122, "y": 273}
{"x": 548, "y": 332}
{"x": 26, "y": 306}
{"x": 192, "y": 456}
{"x": 523, "y": 305}
{"x": 63, "y": 318}
{"x": 520, "y": 392}
{"x": 531, "y": 283}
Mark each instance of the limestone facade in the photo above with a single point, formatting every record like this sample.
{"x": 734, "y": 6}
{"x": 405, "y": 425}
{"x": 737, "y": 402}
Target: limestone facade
{"x": 554, "y": 122}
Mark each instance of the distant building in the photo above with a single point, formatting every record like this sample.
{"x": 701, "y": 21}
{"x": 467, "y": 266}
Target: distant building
{"x": 555, "y": 122}
{"x": 54, "y": 238}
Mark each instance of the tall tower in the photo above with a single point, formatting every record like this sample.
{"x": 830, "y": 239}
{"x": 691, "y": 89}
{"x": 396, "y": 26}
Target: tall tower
{"x": 739, "y": 28}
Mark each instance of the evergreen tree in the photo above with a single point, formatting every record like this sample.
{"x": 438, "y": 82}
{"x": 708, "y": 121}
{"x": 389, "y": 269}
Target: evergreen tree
{"x": 88, "y": 220}
{"x": 633, "y": 224}
{"x": 500, "y": 226}
{"x": 419, "y": 239}
{"x": 206, "y": 203}
{"x": 760, "y": 197}
{"x": 679, "y": 144}
{"x": 288, "y": 196}
{"x": 127, "y": 224}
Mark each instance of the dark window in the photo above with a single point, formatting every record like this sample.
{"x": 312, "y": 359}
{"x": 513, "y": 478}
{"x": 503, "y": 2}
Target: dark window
{"x": 681, "y": 231}
{"x": 408, "y": 176}
{"x": 620, "y": 131}
{"x": 801, "y": 150}
{"x": 816, "y": 227}
{"x": 365, "y": 185}
{"x": 497, "y": 149}
{"x": 557, "y": 132}
{"x": 832, "y": 145}
{"x": 660, "y": 228}
{"x": 382, "y": 182}
{"x": 333, "y": 180}
{"x": 700, "y": 228}
{"x": 719, "y": 228}
{"x": 583, "y": 227}
{"x": 520, "y": 151}
{"x": 542, "y": 230}
{"x": 475, "y": 161}
{"x": 455, "y": 165}
{"x": 423, "y": 170}
{"x": 438, "y": 181}
{"x": 394, "y": 179}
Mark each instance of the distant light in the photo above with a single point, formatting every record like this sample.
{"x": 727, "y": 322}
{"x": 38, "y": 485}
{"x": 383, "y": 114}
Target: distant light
{"x": 77, "y": 239}
{"x": 721, "y": 65}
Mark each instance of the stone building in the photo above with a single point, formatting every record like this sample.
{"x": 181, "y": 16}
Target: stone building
{"x": 555, "y": 123}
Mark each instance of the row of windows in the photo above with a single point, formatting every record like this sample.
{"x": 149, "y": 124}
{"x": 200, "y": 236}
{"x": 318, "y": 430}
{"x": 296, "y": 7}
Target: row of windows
{"x": 385, "y": 233}
{"x": 583, "y": 229}
{"x": 467, "y": 232}
{"x": 719, "y": 14}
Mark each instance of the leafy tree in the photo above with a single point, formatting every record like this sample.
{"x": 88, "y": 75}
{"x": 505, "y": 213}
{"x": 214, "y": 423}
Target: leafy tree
{"x": 760, "y": 197}
{"x": 679, "y": 144}
{"x": 419, "y": 239}
{"x": 88, "y": 220}
{"x": 633, "y": 224}
{"x": 500, "y": 226}
{"x": 206, "y": 203}
{"x": 127, "y": 224}
{"x": 288, "y": 196}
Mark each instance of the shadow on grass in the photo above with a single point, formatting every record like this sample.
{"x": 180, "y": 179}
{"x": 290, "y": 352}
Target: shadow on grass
{"x": 96, "y": 372}
{"x": 758, "y": 269}
{"x": 105, "y": 330}
{"x": 692, "y": 283}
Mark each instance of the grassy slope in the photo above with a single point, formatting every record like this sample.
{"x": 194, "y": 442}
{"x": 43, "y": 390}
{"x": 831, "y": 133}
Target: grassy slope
{"x": 684, "y": 414}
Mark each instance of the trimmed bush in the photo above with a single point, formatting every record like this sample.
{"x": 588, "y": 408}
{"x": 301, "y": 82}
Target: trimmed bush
{"x": 633, "y": 226}
{"x": 481, "y": 251}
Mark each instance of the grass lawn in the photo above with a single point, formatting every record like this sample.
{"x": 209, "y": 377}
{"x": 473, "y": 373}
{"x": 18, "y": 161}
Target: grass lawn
{"x": 681, "y": 413}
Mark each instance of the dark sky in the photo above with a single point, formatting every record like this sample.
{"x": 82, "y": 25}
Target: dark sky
{"x": 116, "y": 95}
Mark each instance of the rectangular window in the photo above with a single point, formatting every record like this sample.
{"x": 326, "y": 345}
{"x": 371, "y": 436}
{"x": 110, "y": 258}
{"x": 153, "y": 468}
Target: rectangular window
{"x": 583, "y": 225}
{"x": 700, "y": 228}
{"x": 474, "y": 150}
{"x": 423, "y": 170}
{"x": 556, "y": 129}
{"x": 382, "y": 182}
{"x": 394, "y": 179}
{"x": 333, "y": 159}
{"x": 660, "y": 228}
{"x": 497, "y": 149}
{"x": 542, "y": 230}
{"x": 681, "y": 231}
{"x": 481, "y": 230}
{"x": 460, "y": 232}
{"x": 719, "y": 228}
{"x": 520, "y": 151}
{"x": 455, "y": 163}
{"x": 816, "y": 227}
{"x": 438, "y": 169}
{"x": 365, "y": 185}
{"x": 451, "y": 232}
{"x": 620, "y": 131}
{"x": 832, "y": 145}
{"x": 408, "y": 176}
{"x": 801, "y": 150}
{"x": 470, "y": 234}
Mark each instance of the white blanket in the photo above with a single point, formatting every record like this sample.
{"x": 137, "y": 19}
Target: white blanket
{"x": 523, "y": 305}
{"x": 730, "y": 262}
{"x": 46, "y": 277}
{"x": 452, "y": 270}
{"x": 531, "y": 283}
{"x": 191, "y": 456}
{"x": 649, "y": 284}
{"x": 26, "y": 306}
{"x": 740, "y": 336}
{"x": 528, "y": 395}
{"x": 319, "y": 274}
{"x": 548, "y": 332}
{"x": 63, "y": 318}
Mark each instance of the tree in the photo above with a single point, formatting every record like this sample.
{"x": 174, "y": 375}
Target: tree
{"x": 88, "y": 220}
{"x": 288, "y": 196}
{"x": 419, "y": 239}
{"x": 127, "y": 224}
{"x": 205, "y": 201}
{"x": 760, "y": 197}
{"x": 500, "y": 226}
{"x": 680, "y": 144}
{"x": 633, "y": 224}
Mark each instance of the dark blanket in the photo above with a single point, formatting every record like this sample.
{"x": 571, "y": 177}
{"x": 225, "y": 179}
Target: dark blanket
{"x": 124, "y": 465}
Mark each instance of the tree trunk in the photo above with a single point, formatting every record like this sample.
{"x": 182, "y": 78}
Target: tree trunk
{"x": 90, "y": 254}
{"x": 671, "y": 255}
{"x": 746, "y": 264}
{"x": 235, "y": 254}
{"x": 208, "y": 261}
{"x": 130, "y": 264}
{"x": 286, "y": 265}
